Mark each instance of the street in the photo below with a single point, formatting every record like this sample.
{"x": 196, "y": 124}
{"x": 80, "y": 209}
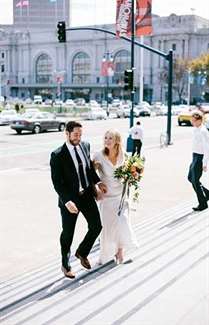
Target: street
{"x": 30, "y": 220}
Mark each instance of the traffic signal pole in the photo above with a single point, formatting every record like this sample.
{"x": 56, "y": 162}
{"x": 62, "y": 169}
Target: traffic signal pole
{"x": 129, "y": 144}
{"x": 166, "y": 56}
{"x": 132, "y": 60}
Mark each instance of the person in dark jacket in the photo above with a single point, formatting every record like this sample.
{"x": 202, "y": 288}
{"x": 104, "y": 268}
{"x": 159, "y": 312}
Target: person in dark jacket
{"x": 76, "y": 182}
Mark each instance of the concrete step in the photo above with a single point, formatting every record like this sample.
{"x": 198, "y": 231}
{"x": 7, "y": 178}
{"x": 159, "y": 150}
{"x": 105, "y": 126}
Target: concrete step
{"x": 173, "y": 245}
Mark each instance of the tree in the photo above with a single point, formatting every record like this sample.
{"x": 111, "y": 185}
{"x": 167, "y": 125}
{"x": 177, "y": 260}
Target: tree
{"x": 180, "y": 76}
{"x": 200, "y": 68}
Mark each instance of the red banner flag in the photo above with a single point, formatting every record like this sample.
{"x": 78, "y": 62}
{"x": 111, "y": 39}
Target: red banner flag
{"x": 123, "y": 17}
{"x": 107, "y": 69}
{"x": 22, "y": 3}
{"x": 143, "y": 17}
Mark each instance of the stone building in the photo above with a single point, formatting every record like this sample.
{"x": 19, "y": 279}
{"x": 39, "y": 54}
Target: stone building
{"x": 33, "y": 62}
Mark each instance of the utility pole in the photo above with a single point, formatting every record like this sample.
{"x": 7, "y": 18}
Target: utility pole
{"x": 129, "y": 140}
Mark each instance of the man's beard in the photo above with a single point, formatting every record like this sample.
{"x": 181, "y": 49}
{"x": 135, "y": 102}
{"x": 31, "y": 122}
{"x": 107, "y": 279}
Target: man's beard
{"x": 74, "y": 142}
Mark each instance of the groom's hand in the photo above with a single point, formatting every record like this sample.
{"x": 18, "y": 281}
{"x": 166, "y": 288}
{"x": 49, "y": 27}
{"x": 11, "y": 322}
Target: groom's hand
{"x": 72, "y": 208}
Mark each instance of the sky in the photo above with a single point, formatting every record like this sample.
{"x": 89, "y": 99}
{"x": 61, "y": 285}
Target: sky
{"x": 90, "y": 12}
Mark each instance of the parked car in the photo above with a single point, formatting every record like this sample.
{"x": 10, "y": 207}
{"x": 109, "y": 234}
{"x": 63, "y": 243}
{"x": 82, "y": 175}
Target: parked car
{"x": 123, "y": 110}
{"x": 48, "y": 101}
{"x": 69, "y": 103}
{"x": 6, "y": 116}
{"x": 80, "y": 102}
{"x": 37, "y": 99}
{"x": 185, "y": 116}
{"x": 96, "y": 113}
{"x": 37, "y": 122}
{"x": 28, "y": 101}
{"x": 143, "y": 111}
{"x": 115, "y": 104}
{"x": 58, "y": 102}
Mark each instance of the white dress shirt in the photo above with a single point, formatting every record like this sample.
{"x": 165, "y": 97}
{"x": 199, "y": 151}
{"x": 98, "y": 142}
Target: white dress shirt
{"x": 200, "y": 143}
{"x": 80, "y": 152}
{"x": 136, "y": 132}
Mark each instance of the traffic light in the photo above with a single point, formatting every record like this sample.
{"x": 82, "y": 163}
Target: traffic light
{"x": 61, "y": 32}
{"x": 128, "y": 80}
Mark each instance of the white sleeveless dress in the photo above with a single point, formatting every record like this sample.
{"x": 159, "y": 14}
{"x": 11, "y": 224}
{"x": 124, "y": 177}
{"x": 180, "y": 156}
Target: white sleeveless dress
{"x": 117, "y": 231}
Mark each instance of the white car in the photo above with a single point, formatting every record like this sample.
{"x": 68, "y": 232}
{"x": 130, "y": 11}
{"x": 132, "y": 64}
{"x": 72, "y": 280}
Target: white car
{"x": 96, "y": 113}
{"x": 57, "y": 102}
{"x": 37, "y": 99}
{"x": 69, "y": 103}
{"x": 7, "y": 116}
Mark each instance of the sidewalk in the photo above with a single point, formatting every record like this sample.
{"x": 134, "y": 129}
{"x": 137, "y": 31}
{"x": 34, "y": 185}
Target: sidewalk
{"x": 165, "y": 281}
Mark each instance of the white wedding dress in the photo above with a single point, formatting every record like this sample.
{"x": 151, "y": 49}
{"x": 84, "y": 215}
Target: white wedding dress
{"x": 117, "y": 231}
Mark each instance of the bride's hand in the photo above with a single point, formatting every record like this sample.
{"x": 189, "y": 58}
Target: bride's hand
{"x": 96, "y": 164}
{"x": 100, "y": 195}
{"x": 102, "y": 187}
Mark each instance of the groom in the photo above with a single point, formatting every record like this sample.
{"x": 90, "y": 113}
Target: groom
{"x": 74, "y": 180}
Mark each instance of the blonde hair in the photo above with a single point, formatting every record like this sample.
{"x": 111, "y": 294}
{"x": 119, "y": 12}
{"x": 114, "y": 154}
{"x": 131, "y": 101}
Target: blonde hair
{"x": 117, "y": 142}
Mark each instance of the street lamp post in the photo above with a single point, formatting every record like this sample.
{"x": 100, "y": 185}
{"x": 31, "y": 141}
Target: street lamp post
{"x": 129, "y": 140}
{"x": 189, "y": 87}
{"x": 59, "y": 77}
{"x": 0, "y": 79}
{"x": 107, "y": 72}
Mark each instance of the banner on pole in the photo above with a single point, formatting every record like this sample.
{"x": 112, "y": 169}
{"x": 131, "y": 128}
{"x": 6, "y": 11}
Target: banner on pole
{"x": 107, "y": 69}
{"x": 143, "y": 19}
{"x": 123, "y": 17}
{"x": 22, "y": 3}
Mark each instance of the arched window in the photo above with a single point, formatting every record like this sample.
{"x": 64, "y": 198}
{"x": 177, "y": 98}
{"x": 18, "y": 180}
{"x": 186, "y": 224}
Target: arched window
{"x": 44, "y": 69}
{"x": 81, "y": 71}
{"x": 122, "y": 61}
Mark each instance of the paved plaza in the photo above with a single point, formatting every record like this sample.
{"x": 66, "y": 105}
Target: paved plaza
{"x": 164, "y": 281}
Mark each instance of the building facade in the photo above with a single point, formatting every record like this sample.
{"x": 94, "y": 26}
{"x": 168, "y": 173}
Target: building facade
{"x": 41, "y": 14}
{"x": 33, "y": 62}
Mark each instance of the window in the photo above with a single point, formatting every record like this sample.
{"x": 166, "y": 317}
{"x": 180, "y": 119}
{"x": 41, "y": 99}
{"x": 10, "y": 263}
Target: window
{"x": 81, "y": 72}
{"x": 43, "y": 69}
{"x": 122, "y": 61}
{"x": 2, "y": 68}
{"x": 174, "y": 47}
{"x": 2, "y": 55}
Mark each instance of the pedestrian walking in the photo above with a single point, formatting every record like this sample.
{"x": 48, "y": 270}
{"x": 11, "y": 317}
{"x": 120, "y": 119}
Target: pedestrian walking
{"x": 136, "y": 133}
{"x": 200, "y": 149}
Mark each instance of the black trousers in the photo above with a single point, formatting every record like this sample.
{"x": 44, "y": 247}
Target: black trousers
{"x": 137, "y": 145}
{"x": 87, "y": 205}
{"x": 195, "y": 173}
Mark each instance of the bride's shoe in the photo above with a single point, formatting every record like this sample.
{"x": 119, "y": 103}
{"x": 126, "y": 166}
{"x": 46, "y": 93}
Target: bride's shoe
{"x": 116, "y": 259}
{"x": 119, "y": 257}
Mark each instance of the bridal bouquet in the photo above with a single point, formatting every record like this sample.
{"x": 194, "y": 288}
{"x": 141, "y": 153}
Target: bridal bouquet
{"x": 130, "y": 174}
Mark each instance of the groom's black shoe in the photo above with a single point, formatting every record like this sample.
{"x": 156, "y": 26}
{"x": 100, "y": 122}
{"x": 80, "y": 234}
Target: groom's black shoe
{"x": 200, "y": 207}
{"x": 84, "y": 261}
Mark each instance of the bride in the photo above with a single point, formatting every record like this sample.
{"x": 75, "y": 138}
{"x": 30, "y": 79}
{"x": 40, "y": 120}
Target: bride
{"x": 117, "y": 234}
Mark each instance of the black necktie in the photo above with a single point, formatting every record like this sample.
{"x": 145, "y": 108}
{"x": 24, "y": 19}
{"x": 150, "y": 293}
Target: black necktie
{"x": 80, "y": 169}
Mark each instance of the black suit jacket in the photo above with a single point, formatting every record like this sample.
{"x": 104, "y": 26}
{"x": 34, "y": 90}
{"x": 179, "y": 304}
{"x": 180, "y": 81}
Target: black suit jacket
{"x": 64, "y": 175}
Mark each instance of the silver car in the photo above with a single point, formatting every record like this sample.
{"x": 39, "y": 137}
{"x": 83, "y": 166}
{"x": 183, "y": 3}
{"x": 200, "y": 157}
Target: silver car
{"x": 37, "y": 122}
